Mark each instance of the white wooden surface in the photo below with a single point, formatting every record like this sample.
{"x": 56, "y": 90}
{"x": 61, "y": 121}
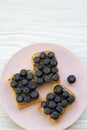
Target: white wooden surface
{"x": 23, "y": 22}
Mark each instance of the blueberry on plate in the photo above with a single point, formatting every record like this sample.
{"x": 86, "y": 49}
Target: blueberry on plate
{"x": 47, "y": 111}
{"x": 24, "y": 82}
{"x": 54, "y": 70}
{"x": 71, "y": 79}
{"x": 50, "y": 55}
{"x": 37, "y": 59}
{"x": 40, "y": 66}
{"x": 34, "y": 94}
{"x": 39, "y": 73}
{"x": 50, "y": 96}
{"x": 19, "y": 98}
{"x": 32, "y": 85}
{"x": 42, "y": 55}
{"x": 26, "y": 90}
{"x": 71, "y": 99}
{"x": 18, "y": 90}
{"x": 57, "y": 99}
{"x": 23, "y": 72}
{"x": 46, "y": 61}
{"x": 13, "y": 84}
{"x": 17, "y": 77}
{"x": 53, "y": 63}
{"x": 27, "y": 99}
{"x": 64, "y": 103}
{"x": 52, "y": 104}
{"x": 47, "y": 79}
{"x": 55, "y": 115}
{"x": 44, "y": 104}
{"x": 30, "y": 76}
{"x": 58, "y": 89}
{"x": 65, "y": 94}
{"x": 55, "y": 77}
{"x": 40, "y": 81}
{"x": 47, "y": 70}
{"x": 59, "y": 108}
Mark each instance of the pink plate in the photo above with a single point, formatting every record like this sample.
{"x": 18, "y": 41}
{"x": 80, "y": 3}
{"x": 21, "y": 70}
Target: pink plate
{"x": 31, "y": 118}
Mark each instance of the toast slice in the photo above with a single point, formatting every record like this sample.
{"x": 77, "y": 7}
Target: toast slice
{"x": 45, "y": 66}
{"x": 57, "y": 101}
{"x": 23, "y": 86}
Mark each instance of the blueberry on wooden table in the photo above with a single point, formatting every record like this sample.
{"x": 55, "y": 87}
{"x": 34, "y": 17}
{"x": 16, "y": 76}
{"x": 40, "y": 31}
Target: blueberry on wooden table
{"x": 50, "y": 55}
{"x": 23, "y": 72}
{"x": 55, "y": 115}
{"x": 71, "y": 79}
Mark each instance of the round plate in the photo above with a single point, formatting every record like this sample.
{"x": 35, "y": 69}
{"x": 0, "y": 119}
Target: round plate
{"x": 31, "y": 118}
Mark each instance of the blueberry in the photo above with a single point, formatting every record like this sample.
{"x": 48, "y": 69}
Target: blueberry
{"x": 59, "y": 108}
{"x": 40, "y": 66}
{"x": 13, "y": 84}
{"x": 39, "y": 73}
{"x": 55, "y": 115}
{"x": 23, "y": 72}
{"x": 57, "y": 99}
{"x": 37, "y": 59}
{"x": 47, "y": 70}
{"x": 40, "y": 81}
{"x": 47, "y": 111}
{"x": 71, "y": 99}
{"x": 52, "y": 104}
{"x": 55, "y": 77}
{"x": 71, "y": 79}
{"x": 42, "y": 55}
{"x": 32, "y": 85}
{"x": 53, "y": 63}
{"x": 54, "y": 70}
{"x": 17, "y": 77}
{"x": 65, "y": 94}
{"x": 30, "y": 76}
{"x": 50, "y": 55}
{"x": 64, "y": 103}
{"x": 24, "y": 82}
{"x": 27, "y": 99}
{"x": 47, "y": 79}
{"x": 34, "y": 95}
{"x": 46, "y": 61}
{"x": 26, "y": 90}
{"x": 44, "y": 104}
{"x": 18, "y": 90}
{"x": 50, "y": 96}
{"x": 19, "y": 98}
{"x": 58, "y": 89}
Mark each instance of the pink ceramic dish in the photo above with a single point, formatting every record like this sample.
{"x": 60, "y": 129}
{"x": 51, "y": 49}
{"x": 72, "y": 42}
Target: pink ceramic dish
{"x": 31, "y": 118}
